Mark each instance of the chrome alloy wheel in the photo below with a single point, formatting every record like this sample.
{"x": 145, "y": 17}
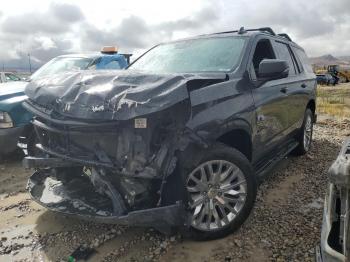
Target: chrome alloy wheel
{"x": 307, "y": 132}
{"x": 217, "y": 193}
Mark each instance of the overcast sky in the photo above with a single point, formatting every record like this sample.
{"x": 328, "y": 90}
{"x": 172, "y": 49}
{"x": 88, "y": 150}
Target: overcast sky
{"x": 46, "y": 28}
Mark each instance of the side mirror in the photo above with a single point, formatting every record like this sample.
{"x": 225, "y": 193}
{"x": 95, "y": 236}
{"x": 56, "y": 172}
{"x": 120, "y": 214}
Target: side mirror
{"x": 271, "y": 69}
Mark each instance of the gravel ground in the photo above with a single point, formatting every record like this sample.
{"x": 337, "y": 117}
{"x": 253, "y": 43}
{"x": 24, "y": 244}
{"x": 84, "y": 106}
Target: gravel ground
{"x": 284, "y": 225}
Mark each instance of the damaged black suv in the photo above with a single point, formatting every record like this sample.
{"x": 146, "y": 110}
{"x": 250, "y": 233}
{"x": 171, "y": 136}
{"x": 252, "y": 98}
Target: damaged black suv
{"x": 179, "y": 138}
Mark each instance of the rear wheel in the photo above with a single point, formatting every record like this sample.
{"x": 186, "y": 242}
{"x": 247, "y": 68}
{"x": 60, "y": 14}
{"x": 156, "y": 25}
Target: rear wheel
{"x": 305, "y": 136}
{"x": 221, "y": 191}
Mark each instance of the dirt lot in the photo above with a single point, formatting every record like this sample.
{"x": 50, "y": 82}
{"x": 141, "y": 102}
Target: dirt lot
{"x": 284, "y": 225}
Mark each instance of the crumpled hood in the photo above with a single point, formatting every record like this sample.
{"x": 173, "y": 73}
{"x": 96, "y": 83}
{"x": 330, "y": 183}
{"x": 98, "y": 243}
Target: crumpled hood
{"x": 111, "y": 95}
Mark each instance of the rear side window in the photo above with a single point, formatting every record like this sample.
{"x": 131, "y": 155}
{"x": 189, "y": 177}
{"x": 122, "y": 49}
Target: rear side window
{"x": 283, "y": 53}
{"x": 304, "y": 59}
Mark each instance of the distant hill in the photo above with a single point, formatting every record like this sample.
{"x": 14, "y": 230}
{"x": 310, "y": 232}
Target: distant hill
{"x": 329, "y": 60}
{"x": 346, "y": 58}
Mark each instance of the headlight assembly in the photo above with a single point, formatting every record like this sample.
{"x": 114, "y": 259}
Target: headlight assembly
{"x": 5, "y": 120}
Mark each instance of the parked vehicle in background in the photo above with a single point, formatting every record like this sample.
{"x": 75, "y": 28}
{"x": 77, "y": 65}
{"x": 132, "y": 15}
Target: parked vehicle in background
{"x": 335, "y": 236}
{"x": 9, "y": 77}
{"x": 325, "y": 79}
{"x": 177, "y": 139}
{"x": 105, "y": 60}
{"x": 342, "y": 73}
{"x": 15, "y": 120}
{"x": 339, "y": 73}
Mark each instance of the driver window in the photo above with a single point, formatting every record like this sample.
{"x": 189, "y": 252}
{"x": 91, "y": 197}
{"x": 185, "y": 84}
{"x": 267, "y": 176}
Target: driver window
{"x": 263, "y": 50}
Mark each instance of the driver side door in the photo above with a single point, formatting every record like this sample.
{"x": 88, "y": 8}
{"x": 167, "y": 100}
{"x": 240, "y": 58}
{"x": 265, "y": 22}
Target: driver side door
{"x": 271, "y": 112}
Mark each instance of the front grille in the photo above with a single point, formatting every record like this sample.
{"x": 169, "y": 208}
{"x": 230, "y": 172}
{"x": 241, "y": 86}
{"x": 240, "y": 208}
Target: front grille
{"x": 76, "y": 141}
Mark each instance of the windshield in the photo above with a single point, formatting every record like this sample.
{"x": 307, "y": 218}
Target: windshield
{"x": 62, "y": 64}
{"x": 198, "y": 55}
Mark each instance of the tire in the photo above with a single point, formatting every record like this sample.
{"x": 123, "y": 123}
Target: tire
{"x": 229, "y": 197}
{"x": 306, "y": 133}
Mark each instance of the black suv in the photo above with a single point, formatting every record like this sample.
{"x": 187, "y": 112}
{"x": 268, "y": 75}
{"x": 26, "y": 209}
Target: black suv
{"x": 179, "y": 138}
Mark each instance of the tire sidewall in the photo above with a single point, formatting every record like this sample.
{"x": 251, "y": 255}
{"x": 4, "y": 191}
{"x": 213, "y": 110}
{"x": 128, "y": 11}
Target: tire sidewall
{"x": 309, "y": 113}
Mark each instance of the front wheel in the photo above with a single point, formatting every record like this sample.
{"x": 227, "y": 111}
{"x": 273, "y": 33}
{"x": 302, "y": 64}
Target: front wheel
{"x": 221, "y": 191}
{"x": 305, "y": 136}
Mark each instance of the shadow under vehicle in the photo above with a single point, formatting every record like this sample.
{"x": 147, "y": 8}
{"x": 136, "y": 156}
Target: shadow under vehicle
{"x": 177, "y": 139}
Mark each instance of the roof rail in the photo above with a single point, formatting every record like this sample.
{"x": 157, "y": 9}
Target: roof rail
{"x": 285, "y": 36}
{"x": 225, "y": 32}
{"x": 265, "y": 29}
{"x": 242, "y": 30}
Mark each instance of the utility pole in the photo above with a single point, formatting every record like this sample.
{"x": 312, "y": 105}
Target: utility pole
{"x": 30, "y": 64}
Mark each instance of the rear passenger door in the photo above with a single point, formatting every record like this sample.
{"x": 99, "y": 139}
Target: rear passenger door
{"x": 307, "y": 79}
{"x": 296, "y": 97}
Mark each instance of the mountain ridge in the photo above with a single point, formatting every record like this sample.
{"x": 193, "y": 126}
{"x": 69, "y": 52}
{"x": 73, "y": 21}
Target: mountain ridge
{"x": 329, "y": 59}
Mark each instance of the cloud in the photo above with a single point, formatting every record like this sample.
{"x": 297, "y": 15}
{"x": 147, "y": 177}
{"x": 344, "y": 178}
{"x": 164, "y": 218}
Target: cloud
{"x": 41, "y": 50}
{"x": 320, "y": 27}
{"x": 199, "y": 20}
{"x": 66, "y": 13}
{"x": 135, "y": 33}
{"x": 58, "y": 19}
{"x": 56, "y": 47}
{"x": 340, "y": 9}
{"x": 43, "y": 34}
{"x": 300, "y": 18}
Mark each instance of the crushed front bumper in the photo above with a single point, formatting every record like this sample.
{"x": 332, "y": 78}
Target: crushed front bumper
{"x": 79, "y": 199}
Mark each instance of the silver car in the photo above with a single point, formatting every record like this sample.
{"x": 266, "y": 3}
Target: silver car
{"x": 335, "y": 236}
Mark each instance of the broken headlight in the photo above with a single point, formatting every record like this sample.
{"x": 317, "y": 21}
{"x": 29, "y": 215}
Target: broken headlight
{"x": 5, "y": 120}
